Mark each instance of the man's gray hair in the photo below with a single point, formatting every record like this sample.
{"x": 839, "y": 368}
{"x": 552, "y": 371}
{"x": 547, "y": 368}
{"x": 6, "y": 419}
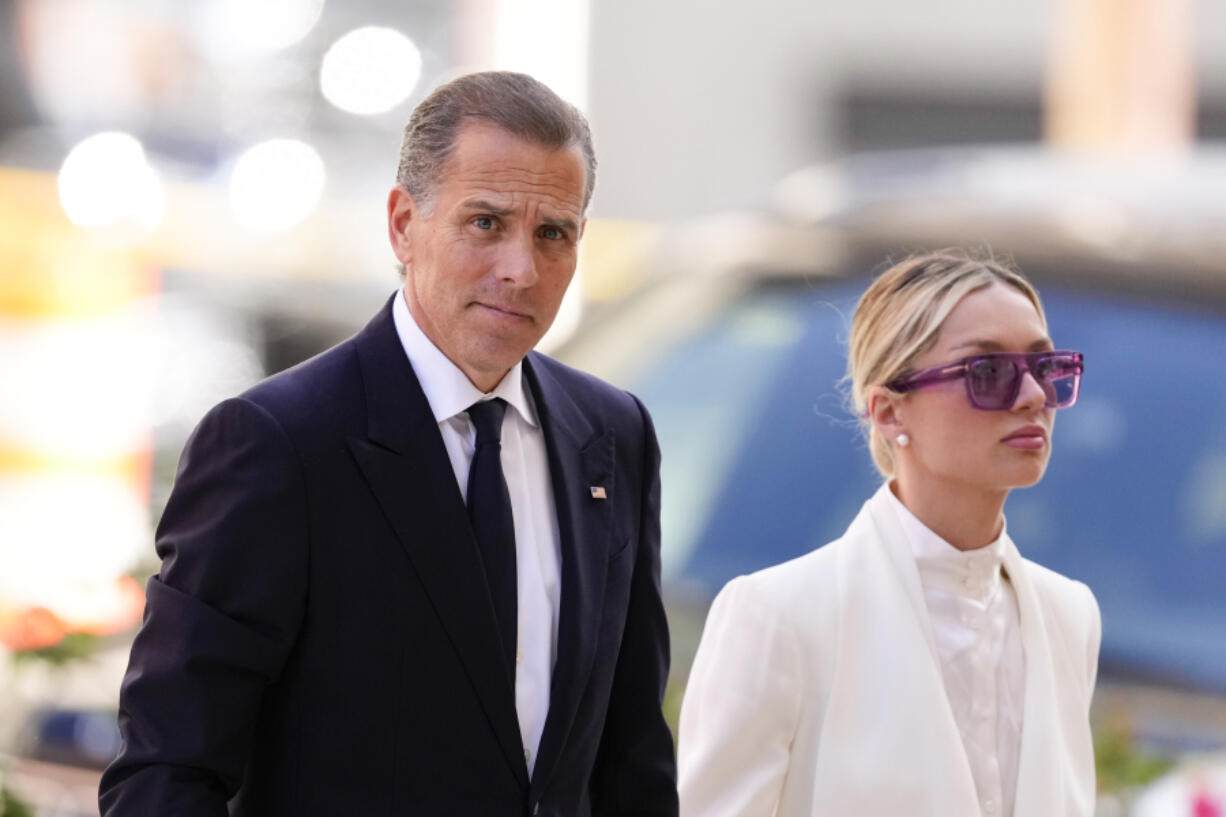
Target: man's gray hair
{"x": 517, "y": 103}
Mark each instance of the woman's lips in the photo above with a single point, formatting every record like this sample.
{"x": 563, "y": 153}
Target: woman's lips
{"x": 1030, "y": 438}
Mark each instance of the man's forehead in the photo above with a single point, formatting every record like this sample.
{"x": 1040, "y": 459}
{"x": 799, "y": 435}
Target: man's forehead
{"x": 484, "y": 152}
{"x": 478, "y": 131}
{"x": 501, "y": 202}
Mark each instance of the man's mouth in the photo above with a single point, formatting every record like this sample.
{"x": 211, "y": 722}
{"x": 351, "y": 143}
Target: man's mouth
{"x": 504, "y": 311}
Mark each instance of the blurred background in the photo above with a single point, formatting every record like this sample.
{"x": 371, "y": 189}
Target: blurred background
{"x": 192, "y": 198}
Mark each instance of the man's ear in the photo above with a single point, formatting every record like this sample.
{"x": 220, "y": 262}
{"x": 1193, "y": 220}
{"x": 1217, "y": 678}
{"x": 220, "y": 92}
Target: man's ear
{"x": 401, "y": 210}
{"x": 582, "y": 227}
{"x": 885, "y": 410}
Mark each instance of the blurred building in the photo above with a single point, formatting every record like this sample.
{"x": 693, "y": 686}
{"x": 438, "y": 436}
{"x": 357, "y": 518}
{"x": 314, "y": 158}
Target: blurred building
{"x": 747, "y": 92}
{"x": 698, "y": 108}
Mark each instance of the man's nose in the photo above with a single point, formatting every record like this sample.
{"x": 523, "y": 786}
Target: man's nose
{"x": 517, "y": 261}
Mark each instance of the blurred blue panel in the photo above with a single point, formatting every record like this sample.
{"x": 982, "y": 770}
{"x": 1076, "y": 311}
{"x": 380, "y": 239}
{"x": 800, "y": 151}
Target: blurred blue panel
{"x": 1134, "y": 501}
{"x": 762, "y": 462}
{"x": 72, "y": 737}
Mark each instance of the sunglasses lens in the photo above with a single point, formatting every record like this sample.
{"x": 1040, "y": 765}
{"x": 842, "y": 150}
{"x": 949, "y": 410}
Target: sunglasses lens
{"x": 1059, "y": 376}
{"x": 991, "y": 382}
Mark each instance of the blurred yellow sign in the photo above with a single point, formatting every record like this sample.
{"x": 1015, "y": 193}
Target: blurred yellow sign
{"x": 49, "y": 267}
{"x": 74, "y": 430}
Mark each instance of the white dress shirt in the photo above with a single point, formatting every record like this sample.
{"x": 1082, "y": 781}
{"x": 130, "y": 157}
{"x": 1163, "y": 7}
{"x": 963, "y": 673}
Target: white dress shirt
{"x": 974, "y": 614}
{"x": 525, "y": 465}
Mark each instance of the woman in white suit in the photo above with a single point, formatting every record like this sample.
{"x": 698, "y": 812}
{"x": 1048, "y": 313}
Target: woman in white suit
{"x": 917, "y": 665}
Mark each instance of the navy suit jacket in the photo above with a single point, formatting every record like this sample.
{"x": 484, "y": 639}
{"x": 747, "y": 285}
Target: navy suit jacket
{"x": 320, "y": 639}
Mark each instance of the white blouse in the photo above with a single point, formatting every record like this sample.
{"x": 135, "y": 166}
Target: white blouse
{"x": 972, "y": 607}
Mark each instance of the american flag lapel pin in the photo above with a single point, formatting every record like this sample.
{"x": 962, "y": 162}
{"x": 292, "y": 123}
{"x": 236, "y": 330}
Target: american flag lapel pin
{"x": 598, "y": 492}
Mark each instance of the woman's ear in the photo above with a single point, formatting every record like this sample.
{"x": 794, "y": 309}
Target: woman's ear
{"x": 885, "y": 410}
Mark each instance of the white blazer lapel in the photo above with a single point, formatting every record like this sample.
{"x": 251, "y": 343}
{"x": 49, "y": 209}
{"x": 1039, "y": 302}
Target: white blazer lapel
{"x": 890, "y": 540}
{"x": 887, "y": 677}
{"x": 1050, "y": 780}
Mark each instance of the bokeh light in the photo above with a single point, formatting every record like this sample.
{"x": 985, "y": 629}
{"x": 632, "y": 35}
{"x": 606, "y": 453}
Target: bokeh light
{"x": 370, "y": 70}
{"x": 235, "y": 29}
{"x": 62, "y": 533}
{"x": 276, "y": 184}
{"x": 77, "y": 388}
{"x": 107, "y": 180}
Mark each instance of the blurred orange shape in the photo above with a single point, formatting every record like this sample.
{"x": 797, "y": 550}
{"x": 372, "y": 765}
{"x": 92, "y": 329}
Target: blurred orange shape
{"x": 103, "y": 609}
{"x": 30, "y": 629}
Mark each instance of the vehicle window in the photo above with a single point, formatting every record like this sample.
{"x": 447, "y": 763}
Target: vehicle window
{"x": 762, "y": 462}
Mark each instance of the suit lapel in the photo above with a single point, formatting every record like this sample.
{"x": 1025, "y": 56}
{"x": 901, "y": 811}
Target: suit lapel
{"x": 895, "y": 548}
{"x": 407, "y": 468}
{"x": 1040, "y": 773}
{"x": 887, "y": 672}
{"x": 580, "y": 457}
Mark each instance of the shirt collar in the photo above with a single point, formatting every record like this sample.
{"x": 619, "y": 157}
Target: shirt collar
{"x": 972, "y": 573}
{"x": 448, "y": 390}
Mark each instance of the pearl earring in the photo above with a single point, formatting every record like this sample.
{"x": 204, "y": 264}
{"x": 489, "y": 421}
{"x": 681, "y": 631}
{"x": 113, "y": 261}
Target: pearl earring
{"x": 904, "y": 440}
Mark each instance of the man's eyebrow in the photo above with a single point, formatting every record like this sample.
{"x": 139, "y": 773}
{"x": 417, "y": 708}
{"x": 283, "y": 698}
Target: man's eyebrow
{"x": 1042, "y": 344}
{"x": 480, "y": 205}
{"x": 561, "y": 223}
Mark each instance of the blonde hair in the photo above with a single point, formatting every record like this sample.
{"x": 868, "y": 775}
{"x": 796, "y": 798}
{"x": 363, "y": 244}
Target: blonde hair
{"x": 898, "y": 319}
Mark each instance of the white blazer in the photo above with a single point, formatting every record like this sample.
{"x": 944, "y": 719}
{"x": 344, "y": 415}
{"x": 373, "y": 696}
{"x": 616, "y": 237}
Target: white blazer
{"x": 817, "y": 691}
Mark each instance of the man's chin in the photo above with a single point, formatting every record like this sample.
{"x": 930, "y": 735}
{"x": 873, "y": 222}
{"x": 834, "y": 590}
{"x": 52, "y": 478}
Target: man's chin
{"x": 495, "y": 357}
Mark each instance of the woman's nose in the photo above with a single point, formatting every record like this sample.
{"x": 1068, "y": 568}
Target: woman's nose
{"x": 1030, "y": 394}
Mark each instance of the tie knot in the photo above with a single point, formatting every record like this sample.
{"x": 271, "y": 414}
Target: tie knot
{"x": 487, "y": 418}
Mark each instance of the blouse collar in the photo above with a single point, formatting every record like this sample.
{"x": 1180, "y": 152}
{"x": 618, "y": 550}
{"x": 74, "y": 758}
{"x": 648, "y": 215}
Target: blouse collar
{"x": 974, "y": 574}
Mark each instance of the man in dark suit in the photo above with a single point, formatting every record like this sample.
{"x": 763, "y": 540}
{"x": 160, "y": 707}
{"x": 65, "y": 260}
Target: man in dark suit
{"x": 419, "y": 573}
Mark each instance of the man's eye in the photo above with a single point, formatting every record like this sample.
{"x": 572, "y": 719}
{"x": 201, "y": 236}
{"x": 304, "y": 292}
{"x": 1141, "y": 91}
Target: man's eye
{"x": 483, "y": 223}
{"x": 552, "y": 233}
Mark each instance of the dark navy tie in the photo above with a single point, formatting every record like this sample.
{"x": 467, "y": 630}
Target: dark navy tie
{"x": 489, "y": 510}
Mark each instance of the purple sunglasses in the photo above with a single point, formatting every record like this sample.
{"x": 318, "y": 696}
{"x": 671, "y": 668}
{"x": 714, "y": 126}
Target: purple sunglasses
{"x": 994, "y": 380}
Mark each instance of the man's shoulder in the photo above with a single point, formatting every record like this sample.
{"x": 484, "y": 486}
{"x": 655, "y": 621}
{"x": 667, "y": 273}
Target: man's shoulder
{"x": 588, "y": 391}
